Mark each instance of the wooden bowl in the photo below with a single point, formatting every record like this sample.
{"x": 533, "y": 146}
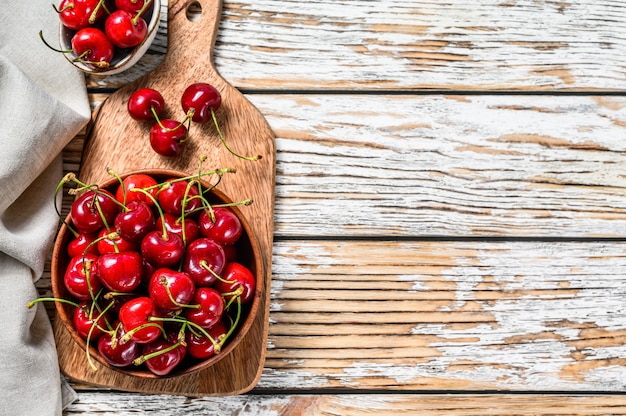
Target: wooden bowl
{"x": 123, "y": 59}
{"x": 248, "y": 254}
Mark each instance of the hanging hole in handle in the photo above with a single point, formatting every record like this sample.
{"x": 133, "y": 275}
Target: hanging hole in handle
{"x": 194, "y": 11}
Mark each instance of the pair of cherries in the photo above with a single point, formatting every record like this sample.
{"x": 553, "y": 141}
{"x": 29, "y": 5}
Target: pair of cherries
{"x": 99, "y": 30}
{"x": 168, "y": 136}
{"x": 155, "y": 271}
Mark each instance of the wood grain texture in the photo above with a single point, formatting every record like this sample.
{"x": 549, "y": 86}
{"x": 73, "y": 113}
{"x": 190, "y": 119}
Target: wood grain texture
{"x": 118, "y": 142}
{"x": 352, "y": 404}
{"x": 495, "y": 45}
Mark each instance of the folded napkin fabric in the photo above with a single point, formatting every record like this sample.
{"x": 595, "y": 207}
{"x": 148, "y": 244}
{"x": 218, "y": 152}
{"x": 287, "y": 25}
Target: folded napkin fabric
{"x": 43, "y": 105}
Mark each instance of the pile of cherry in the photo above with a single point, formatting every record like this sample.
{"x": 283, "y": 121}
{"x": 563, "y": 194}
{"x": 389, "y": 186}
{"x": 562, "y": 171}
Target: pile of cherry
{"x": 100, "y": 28}
{"x": 168, "y": 136}
{"x": 155, "y": 272}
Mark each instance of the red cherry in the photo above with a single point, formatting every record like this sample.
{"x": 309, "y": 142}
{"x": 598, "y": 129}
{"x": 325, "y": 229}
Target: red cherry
{"x": 92, "y": 47}
{"x": 120, "y": 272}
{"x": 115, "y": 245}
{"x": 85, "y": 317}
{"x": 125, "y": 29}
{"x": 187, "y": 228}
{"x": 115, "y": 352}
{"x": 226, "y": 229}
{"x": 135, "y": 318}
{"x": 162, "y": 250}
{"x": 179, "y": 193}
{"x": 203, "y": 260}
{"x": 144, "y": 103}
{"x": 169, "y": 289}
{"x": 80, "y": 243}
{"x": 235, "y": 276}
{"x": 141, "y": 181}
{"x": 164, "y": 359}
{"x": 135, "y": 222}
{"x": 78, "y": 14}
{"x": 211, "y": 307}
{"x": 130, "y": 5}
{"x": 201, "y": 347}
{"x": 201, "y": 98}
{"x": 86, "y": 215}
{"x": 168, "y": 138}
{"x": 81, "y": 277}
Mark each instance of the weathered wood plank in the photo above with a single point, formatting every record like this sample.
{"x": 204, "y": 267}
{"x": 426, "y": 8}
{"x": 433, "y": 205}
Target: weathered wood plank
{"x": 120, "y": 404}
{"x": 413, "y": 45}
{"x": 435, "y": 165}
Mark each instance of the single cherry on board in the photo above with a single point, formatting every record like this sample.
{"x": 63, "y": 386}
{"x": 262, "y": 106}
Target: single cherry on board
{"x": 168, "y": 137}
{"x": 201, "y": 99}
{"x": 145, "y": 104}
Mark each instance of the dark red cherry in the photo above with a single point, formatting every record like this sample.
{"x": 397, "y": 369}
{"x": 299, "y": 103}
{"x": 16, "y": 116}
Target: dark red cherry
{"x": 113, "y": 244}
{"x": 135, "y": 221}
{"x": 201, "y": 347}
{"x": 168, "y": 138}
{"x": 163, "y": 359}
{"x": 236, "y": 275}
{"x": 115, "y": 352}
{"x": 170, "y": 289}
{"x": 204, "y": 259}
{"x": 162, "y": 250}
{"x": 80, "y": 243}
{"x": 201, "y": 98}
{"x": 178, "y": 193}
{"x": 211, "y": 307}
{"x": 91, "y": 210}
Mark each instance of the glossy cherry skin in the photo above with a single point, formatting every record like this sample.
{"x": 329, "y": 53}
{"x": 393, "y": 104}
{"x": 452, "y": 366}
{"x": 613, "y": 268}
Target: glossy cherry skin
{"x": 163, "y": 363}
{"x": 85, "y": 214}
{"x": 211, "y": 307}
{"x": 118, "y": 244}
{"x": 76, "y": 14}
{"x": 114, "y": 352}
{"x": 239, "y": 276}
{"x": 80, "y": 243}
{"x": 123, "y": 30}
{"x": 201, "y": 347}
{"x": 135, "y": 314}
{"x": 226, "y": 229}
{"x": 93, "y": 47}
{"x": 169, "y": 140}
{"x": 120, "y": 272}
{"x": 187, "y": 228}
{"x": 203, "y": 256}
{"x": 178, "y": 193}
{"x": 81, "y": 275}
{"x": 135, "y": 221}
{"x": 138, "y": 180}
{"x": 166, "y": 282}
{"x": 162, "y": 250}
{"x": 201, "y": 98}
{"x": 83, "y": 322}
{"x": 144, "y": 103}
{"x": 130, "y": 5}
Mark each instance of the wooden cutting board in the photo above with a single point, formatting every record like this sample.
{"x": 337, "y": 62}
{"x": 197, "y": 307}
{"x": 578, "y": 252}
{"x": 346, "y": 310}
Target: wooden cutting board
{"x": 118, "y": 142}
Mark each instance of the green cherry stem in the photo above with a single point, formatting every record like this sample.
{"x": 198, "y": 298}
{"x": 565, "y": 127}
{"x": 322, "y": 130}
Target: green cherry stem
{"x": 142, "y": 359}
{"x": 221, "y": 136}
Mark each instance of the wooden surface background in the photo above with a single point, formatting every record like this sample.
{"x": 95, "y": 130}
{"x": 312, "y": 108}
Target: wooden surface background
{"x": 450, "y": 220}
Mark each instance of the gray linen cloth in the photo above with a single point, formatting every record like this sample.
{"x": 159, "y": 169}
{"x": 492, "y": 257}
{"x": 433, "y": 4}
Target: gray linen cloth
{"x": 43, "y": 105}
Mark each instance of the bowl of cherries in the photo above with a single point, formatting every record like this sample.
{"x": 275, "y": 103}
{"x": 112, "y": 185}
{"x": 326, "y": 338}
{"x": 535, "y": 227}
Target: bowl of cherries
{"x": 154, "y": 273}
{"x": 106, "y": 37}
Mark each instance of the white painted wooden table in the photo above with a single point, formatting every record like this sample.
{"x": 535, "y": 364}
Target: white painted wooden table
{"x": 450, "y": 222}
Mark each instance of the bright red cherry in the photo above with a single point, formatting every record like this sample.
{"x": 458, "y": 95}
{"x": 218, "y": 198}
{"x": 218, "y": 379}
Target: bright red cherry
{"x": 78, "y": 14}
{"x": 120, "y": 272}
{"x": 162, "y": 250}
{"x": 163, "y": 359}
{"x": 138, "y": 180}
{"x": 202, "y": 99}
{"x": 201, "y": 347}
{"x": 168, "y": 138}
{"x": 113, "y": 245}
{"x": 145, "y": 103}
{"x": 88, "y": 217}
{"x": 211, "y": 307}
{"x": 135, "y": 318}
{"x": 170, "y": 289}
{"x": 203, "y": 260}
{"x": 187, "y": 228}
{"x": 89, "y": 322}
{"x": 226, "y": 229}
{"x": 80, "y": 243}
{"x": 81, "y": 277}
{"x": 91, "y": 46}
{"x": 178, "y": 194}
{"x": 235, "y": 276}
{"x": 130, "y": 5}
{"x": 125, "y": 29}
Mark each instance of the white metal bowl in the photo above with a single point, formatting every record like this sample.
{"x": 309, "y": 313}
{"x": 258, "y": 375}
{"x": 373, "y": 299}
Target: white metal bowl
{"x": 122, "y": 59}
